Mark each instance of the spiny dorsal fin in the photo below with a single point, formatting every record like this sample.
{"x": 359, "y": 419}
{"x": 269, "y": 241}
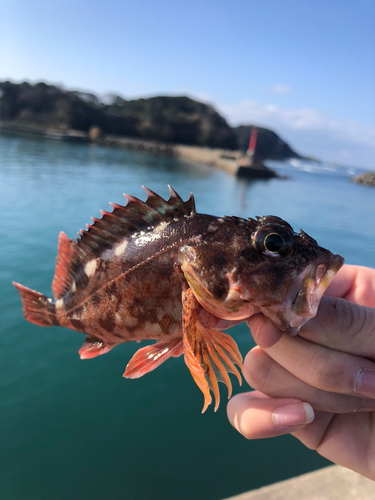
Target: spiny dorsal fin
{"x": 135, "y": 216}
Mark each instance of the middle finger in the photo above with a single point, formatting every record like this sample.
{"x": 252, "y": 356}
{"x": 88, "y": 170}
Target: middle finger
{"x": 325, "y": 368}
{"x": 267, "y": 376}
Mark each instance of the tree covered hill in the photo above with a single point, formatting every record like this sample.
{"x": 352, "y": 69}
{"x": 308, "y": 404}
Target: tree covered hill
{"x": 175, "y": 120}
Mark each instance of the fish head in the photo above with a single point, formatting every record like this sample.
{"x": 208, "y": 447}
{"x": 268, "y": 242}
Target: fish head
{"x": 263, "y": 266}
{"x": 299, "y": 272}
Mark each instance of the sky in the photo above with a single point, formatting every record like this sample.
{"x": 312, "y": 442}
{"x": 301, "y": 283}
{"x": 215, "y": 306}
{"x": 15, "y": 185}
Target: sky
{"x": 305, "y": 69}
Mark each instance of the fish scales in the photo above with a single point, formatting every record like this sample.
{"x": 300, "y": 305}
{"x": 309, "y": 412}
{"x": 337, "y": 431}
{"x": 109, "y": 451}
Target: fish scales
{"x": 158, "y": 270}
{"x": 121, "y": 293}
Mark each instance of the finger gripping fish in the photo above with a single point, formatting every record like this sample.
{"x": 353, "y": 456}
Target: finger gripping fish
{"x": 159, "y": 270}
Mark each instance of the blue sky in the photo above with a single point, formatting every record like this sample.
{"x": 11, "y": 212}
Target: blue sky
{"x": 305, "y": 69}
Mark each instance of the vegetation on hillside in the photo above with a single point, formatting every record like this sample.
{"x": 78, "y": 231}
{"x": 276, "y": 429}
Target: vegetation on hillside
{"x": 176, "y": 120}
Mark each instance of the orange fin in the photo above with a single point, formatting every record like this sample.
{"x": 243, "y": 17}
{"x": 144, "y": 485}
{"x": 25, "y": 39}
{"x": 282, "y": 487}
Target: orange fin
{"x": 64, "y": 262}
{"x": 209, "y": 354}
{"x": 93, "y": 347}
{"x": 150, "y": 357}
{"x": 37, "y": 308}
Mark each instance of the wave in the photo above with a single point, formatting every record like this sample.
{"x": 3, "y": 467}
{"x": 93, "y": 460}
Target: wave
{"x": 315, "y": 167}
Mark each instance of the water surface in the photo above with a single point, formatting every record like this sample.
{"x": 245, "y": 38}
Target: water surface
{"x": 76, "y": 429}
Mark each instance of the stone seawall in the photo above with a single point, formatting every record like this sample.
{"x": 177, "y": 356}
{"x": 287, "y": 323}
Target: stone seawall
{"x": 330, "y": 483}
{"x": 224, "y": 159}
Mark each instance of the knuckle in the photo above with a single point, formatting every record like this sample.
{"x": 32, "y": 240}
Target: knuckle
{"x": 258, "y": 368}
{"x": 328, "y": 372}
{"x": 317, "y": 365}
{"x": 350, "y": 318}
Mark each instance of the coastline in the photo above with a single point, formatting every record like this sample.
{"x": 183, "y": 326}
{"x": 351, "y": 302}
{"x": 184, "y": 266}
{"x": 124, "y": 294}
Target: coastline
{"x": 227, "y": 160}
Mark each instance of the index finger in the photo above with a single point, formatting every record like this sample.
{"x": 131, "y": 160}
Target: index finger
{"x": 343, "y": 326}
{"x": 337, "y": 323}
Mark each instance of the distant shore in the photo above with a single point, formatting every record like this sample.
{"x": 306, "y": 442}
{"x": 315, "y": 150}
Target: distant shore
{"x": 227, "y": 160}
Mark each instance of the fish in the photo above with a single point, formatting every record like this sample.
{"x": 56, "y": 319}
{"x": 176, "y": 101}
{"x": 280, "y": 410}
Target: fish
{"x": 159, "y": 270}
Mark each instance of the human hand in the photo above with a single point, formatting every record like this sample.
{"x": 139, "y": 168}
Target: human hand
{"x": 327, "y": 370}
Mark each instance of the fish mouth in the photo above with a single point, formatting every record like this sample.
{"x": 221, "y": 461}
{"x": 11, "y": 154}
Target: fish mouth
{"x": 315, "y": 282}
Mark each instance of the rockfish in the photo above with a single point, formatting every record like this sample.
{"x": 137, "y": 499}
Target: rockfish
{"x": 159, "y": 270}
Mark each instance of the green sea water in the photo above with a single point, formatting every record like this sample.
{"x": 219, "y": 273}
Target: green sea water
{"x": 73, "y": 429}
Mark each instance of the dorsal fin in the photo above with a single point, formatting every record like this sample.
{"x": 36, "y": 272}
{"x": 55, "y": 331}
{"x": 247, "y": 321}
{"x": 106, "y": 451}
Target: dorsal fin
{"x": 135, "y": 216}
{"x": 64, "y": 272}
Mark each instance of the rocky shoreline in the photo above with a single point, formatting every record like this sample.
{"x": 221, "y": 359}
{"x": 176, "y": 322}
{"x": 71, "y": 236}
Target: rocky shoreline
{"x": 367, "y": 179}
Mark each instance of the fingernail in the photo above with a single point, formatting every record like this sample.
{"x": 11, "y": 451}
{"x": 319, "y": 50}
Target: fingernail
{"x": 293, "y": 414}
{"x": 365, "y": 383}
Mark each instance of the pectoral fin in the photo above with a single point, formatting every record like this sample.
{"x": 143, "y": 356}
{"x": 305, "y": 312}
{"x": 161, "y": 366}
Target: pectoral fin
{"x": 209, "y": 354}
{"x": 150, "y": 357}
{"x": 93, "y": 347}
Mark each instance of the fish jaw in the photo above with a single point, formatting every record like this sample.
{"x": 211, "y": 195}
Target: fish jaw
{"x": 305, "y": 293}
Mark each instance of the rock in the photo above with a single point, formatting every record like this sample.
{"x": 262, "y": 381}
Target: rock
{"x": 251, "y": 166}
{"x": 367, "y": 179}
{"x": 95, "y": 133}
{"x": 269, "y": 145}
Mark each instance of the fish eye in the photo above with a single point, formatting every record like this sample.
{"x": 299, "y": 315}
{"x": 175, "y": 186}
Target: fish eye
{"x": 273, "y": 240}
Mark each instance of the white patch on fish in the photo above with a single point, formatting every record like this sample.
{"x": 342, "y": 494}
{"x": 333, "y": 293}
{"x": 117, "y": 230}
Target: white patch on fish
{"x": 212, "y": 227}
{"x": 59, "y": 303}
{"x": 196, "y": 239}
{"x": 158, "y": 229}
{"x": 90, "y": 267}
{"x": 120, "y": 249}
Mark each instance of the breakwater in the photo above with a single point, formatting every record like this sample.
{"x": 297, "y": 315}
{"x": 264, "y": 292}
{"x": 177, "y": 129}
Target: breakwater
{"x": 224, "y": 159}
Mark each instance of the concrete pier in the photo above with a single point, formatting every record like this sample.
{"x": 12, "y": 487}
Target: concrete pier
{"x": 330, "y": 483}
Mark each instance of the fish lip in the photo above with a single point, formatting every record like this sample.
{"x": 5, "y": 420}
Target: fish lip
{"x": 304, "y": 294}
{"x": 315, "y": 282}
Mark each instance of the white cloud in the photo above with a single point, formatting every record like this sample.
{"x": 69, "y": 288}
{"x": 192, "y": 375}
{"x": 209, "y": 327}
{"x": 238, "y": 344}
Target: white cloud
{"x": 281, "y": 89}
{"x": 253, "y": 112}
{"x": 307, "y": 119}
{"x": 309, "y": 130}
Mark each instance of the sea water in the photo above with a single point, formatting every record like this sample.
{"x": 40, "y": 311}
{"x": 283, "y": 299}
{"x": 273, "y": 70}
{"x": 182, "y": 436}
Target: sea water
{"x": 73, "y": 429}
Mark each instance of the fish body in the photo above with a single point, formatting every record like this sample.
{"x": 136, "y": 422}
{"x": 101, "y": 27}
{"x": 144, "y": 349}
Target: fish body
{"x": 159, "y": 270}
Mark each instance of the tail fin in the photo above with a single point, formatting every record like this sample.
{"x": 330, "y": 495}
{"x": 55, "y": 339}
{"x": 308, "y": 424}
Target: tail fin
{"x": 37, "y": 308}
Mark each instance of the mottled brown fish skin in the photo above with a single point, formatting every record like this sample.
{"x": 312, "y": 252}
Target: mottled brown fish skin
{"x": 143, "y": 301}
